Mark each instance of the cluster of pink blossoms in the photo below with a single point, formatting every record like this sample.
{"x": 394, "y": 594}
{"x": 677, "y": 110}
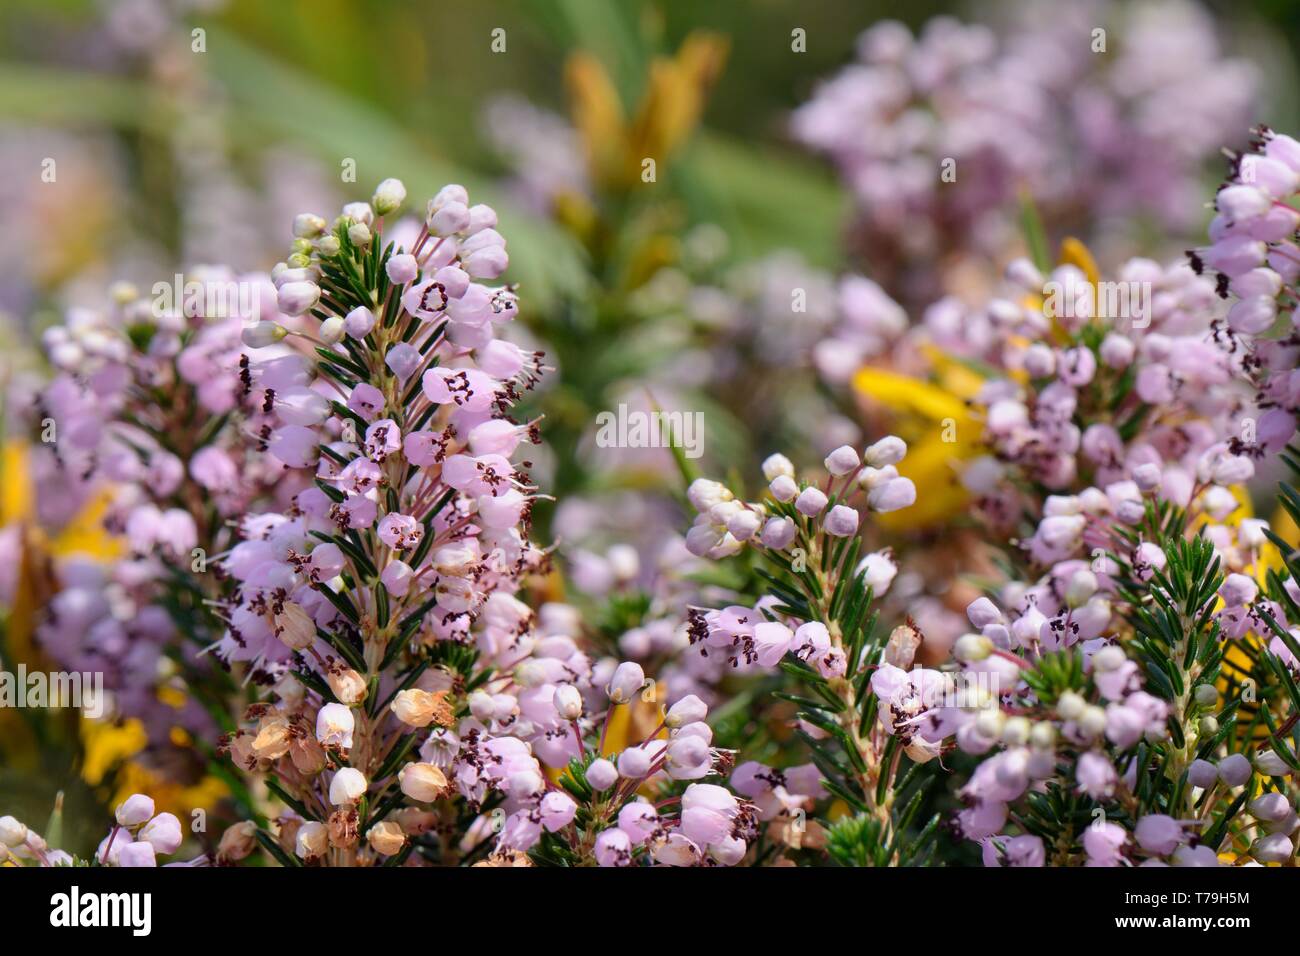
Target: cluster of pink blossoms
{"x": 139, "y": 415}
{"x": 389, "y": 595}
{"x": 1098, "y": 111}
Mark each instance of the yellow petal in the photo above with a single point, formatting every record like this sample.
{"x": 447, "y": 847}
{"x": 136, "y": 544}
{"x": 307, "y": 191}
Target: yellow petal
{"x": 1075, "y": 253}
{"x": 598, "y": 116}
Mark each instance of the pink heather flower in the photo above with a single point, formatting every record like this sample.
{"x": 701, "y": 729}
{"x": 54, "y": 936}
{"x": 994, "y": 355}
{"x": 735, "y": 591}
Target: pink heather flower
{"x": 1096, "y": 775}
{"x": 404, "y": 359}
{"x": 134, "y": 810}
{"x": 1159, "y": 834}
{"x": 366, "y": 400}
{"x": 1238, "y": 590}
{"x": 601, "y": 774}
{"x": 841, "y": 522}
{"x": 396, "y": 578}
{"x": 383, "y": 438}
{"x": 467, "y": 388}
{"x": 402, "y": 268}
{"x": 1024, "y": 850}
{"x": 842, "y": 461}
{"x": 811, "y": 502}
{"x": 627, "y": 681}
{"x": 778, "y": 533}
{"x": 1103, "y": 842}
{"x": 783, "y": 488}
{"x": 613, "y": 848}
{"x": 400, "y": 532}
{"x": 136, "y": 854}
{"x": 359, "y": 322}
{"x": 556, "y": 810}
{"x": 893, "y": 495}
{"x": 638, "y": 820}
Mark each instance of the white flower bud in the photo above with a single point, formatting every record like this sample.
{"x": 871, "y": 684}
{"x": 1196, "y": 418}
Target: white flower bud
{"x": 1042, "y": 736}
{"x": 972, "y": 647}
{"x": 688, "y": 710}
{"x": 1273, "y": 848}
{"x": 627, "y": 680}
{"x": 1083, "y": 585}
{"x": 262, "y": 334}
{"x": 347, "y": 787}
{"x": 296, "y": 298}
{"x": 331, "y": 330}
{"x": 422, "y": 782}
{"x": 307, "y": 226}
{"x": 775, "y": 465}
{"x": 890, "y": 450}
{"x": 134, "y": 810}
{"x": 1015, "y": 732}
{"x": 1109, "y": 658}
{"x": 360, "y": 235}
{"x": 348, "y": 685}
{"x": 12, "y": 832}
{"x": 568, "y": 702}
{"x": 1092, "y": 721}
{"x": 1070, "y": 706}
{"x": 389, "y": 196}
{"x": 313, "y": 840}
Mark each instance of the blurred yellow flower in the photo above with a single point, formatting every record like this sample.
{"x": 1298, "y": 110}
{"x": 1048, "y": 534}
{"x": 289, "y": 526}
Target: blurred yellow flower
{"x": 669, "y": 111}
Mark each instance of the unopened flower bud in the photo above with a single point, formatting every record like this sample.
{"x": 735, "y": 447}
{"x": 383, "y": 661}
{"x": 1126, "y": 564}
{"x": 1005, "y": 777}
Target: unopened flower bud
{"x": 1015, "y": 732}
{"x": 1070, "y": 706}
{"x": 1083, "y": 585}
{"x": 360, "y": 235}
{"x": 237, "y": 842}
{"x": 348, "y": 685}
{"x": 296, "y": 298}
{"x": 688, "y": 710}
{"x": 1206, "y": 695}
{"x": 419, "y": 708}
{"x": 890, "y": 450}
{"x": 13, "y": 832}
{"x": 776, "y": 465}
{"x": 972, "y": 647}
{"x": 1272, "y": 848}
{"x": 1202, "y": 773}
{"x": 134, "y": 810}
{"x": 347, "y": 787}
{"x": 386, "y": 838}
{"x": 568, "y": 702}
{"x": 627, "y": 680}
{"x": 389, "y": 196}
{"x": 307, "y": 226}
{"x": 422, "y": 782}
{"x": 601, "y": 774}
{"x": 312, "y": 841}
{"x": 842, "y": 461}
{"x": 1092, "y": 721}
{"x": 262, "y": 334}
{"x": 1234, "y": 770}
{"x": 1042, "y": 736}
{"x": 331, "y": 330}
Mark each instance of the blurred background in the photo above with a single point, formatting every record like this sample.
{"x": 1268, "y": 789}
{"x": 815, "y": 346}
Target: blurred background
{"x": 144, "y": 138}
